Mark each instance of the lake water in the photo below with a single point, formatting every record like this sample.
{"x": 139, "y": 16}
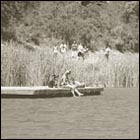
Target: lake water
{"x": 112, "y": 115}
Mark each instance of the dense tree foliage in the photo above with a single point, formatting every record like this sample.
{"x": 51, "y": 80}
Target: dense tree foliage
{"x": 94, "y": 23}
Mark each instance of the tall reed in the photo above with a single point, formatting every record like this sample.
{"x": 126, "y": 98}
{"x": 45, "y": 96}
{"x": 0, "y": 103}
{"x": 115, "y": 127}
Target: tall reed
{"x": 22, "y": 67}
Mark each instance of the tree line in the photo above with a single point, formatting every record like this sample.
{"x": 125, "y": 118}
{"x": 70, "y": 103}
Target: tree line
{"x": 93, "y": 23}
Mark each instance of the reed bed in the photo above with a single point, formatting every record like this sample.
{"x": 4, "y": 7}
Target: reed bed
{"x": 23, "y": 67}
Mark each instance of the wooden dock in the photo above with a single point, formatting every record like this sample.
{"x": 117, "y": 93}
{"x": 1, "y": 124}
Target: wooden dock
{"x": 45, "y": 92}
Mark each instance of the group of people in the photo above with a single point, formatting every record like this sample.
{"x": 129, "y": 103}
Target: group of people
{"x": 77, "y": 50}
{"x": 66, "y": 81}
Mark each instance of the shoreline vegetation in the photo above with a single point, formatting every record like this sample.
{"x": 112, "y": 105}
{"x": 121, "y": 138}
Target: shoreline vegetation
{"x": 30, "y": 30}
{"x": 21, "y": 67}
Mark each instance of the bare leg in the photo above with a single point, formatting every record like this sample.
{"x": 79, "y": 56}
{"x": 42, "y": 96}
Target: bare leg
{"x": 72, "y": 91}
{"x": 80, "y": 94}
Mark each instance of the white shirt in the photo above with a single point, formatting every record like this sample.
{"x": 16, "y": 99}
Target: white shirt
{"x": 63, "y": 48}
{"x": 80, "y": 48}
{"x": 55, "y": 49}
{"x": 107, "y": 50}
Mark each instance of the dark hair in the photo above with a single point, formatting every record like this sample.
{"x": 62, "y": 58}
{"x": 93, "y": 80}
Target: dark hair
{"x": 55, "y": 76}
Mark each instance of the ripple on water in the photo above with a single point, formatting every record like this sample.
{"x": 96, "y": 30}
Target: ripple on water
{"x": 114, "y": 114}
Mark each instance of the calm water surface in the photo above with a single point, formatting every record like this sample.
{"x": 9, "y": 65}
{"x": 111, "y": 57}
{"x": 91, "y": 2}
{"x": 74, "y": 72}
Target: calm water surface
{"x": 114, "y": 114}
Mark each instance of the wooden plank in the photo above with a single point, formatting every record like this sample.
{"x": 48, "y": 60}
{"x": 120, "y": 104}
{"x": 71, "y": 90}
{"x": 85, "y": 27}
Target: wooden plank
{"x": 45, "y": 92}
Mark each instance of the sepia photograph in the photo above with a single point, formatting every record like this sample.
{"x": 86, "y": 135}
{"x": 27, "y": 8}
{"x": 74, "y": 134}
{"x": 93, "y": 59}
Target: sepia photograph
{"x": 69, "y": 69}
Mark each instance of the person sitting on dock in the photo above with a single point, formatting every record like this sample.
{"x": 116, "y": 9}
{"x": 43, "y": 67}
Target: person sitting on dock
{"x": 53, "y": 82}
{"x": 67, "y": 82}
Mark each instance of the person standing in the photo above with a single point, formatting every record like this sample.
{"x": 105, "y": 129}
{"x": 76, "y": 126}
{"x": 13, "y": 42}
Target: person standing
{"x": 55, "y": 50}
{"x": 63, "y": 48}
{"x": 74, "y": 49}
{"x": 107, "y": 51}
{"x": 80, "y": 51}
